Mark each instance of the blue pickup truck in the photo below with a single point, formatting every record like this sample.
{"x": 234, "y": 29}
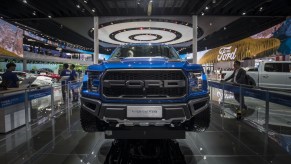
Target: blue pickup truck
{"x": 144, "y": 86}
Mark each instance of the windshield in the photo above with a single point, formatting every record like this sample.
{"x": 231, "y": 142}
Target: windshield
{"x": 144, "y": 51}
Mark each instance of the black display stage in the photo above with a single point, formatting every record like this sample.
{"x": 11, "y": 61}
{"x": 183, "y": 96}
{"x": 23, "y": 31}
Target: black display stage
{"x": 145, "y": 152}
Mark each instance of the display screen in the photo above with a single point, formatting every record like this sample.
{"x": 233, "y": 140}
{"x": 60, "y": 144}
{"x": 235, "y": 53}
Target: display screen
{"x": 11, "y": 40}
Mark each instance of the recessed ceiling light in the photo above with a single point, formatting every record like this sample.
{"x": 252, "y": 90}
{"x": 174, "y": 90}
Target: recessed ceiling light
{"x": 24, "y": 1}
{"x": 78, "y": 6}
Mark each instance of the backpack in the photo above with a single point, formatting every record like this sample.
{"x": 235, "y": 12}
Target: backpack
{"x": 250, "y": 81}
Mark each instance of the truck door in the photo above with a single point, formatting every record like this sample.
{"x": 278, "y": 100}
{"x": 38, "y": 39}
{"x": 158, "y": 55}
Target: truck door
{"x": 287, "y": 70}
{"x": 272, "y": 75}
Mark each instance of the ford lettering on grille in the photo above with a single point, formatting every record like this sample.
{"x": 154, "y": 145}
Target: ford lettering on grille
{"x": 144, "y": 83}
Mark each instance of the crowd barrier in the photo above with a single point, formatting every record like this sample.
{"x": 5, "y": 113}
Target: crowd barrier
{"x": 34, "y": 106}
{"x": 267, "y": 108}
{"x": 262, "y": 94}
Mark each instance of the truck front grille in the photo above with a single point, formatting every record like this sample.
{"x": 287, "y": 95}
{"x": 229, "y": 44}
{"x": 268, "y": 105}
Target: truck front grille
{"x": 140, "y": 84}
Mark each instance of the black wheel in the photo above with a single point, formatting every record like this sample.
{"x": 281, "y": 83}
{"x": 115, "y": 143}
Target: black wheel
{"x": 200, "y": 122}
{"x": 91, "y": 123}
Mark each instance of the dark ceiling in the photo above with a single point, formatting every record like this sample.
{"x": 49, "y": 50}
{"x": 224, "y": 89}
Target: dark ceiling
{"x": 257, "y": 15}
{"x": 70, "y": 8}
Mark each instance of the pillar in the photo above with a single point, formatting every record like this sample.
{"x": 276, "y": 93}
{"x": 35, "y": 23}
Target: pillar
{"x": 194, "y": 42}
{"x": 96, "y": 40}
{"x": 24, "y": 65}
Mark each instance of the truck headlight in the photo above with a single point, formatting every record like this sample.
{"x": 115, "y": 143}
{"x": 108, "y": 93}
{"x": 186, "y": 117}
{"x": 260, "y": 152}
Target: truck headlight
{"x": 93, "y": 81}
{"x": 195, "y": 81}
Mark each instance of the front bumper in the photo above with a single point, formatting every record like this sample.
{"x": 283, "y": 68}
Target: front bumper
{"x": 176, "y": 113}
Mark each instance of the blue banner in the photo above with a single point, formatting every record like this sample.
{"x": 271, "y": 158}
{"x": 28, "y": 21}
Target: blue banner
{"x": 20, "y": 98}
{"x": 39, "y": 93}
{"x": 11, "y": 100}
{"x": 280, "y": 99}
{"x": 254, "y": 93}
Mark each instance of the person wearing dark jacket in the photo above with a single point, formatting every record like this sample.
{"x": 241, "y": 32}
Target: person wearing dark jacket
{"x": 238, "y": 77}
{"x": 10, "y": 79}
{"x": 73, "y": 78}
{"x": 65, "y": 72}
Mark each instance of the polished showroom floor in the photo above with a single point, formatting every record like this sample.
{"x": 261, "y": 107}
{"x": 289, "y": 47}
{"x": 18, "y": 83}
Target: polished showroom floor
{"x": 62, "y": 140}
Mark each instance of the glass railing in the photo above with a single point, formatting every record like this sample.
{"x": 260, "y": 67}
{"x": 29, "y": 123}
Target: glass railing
{"x": 267, "y": 110}
{"x": 36, "y": 105}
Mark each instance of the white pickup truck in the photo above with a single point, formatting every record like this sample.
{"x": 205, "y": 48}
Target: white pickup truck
{"x": 269, "y": 74}
{"x": 272, "y": 74}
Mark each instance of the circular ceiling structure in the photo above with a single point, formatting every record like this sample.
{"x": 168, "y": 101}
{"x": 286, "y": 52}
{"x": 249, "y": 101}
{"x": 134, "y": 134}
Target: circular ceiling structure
{"x": 145, "y": 31}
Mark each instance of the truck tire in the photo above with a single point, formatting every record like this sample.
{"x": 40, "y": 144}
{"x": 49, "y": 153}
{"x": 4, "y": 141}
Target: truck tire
{"x": 91, "y": 123}
{"x": 200, "y": 122}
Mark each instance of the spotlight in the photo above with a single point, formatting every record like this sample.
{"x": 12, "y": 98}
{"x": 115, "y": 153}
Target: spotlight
{"x": 93, "y": 10}
{"x": 261, "y": 9}
{"x": 85, "y": 1}
{"x": 78, "y": 6}
{"x": 49, "y": 16}
{"x": 206, "y": 8}
{"x": 244, "y": 13}
{"x": 34, "y": 13}
{"x": 202, "y": 13}
{"x": 24, "y": 1}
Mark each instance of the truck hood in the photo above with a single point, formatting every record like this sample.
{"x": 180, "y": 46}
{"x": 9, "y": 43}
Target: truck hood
{"x": 145, "y": 63}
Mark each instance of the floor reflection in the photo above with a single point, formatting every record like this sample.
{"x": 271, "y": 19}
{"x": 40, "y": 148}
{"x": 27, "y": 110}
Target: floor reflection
{"x": 62, "y": 140}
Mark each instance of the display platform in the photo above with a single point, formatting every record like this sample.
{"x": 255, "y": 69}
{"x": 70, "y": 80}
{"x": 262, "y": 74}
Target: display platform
{"x": 62, "y": 141}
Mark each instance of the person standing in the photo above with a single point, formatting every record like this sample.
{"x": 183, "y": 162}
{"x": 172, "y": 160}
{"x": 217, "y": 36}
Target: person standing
{"x": 238, "y": 77}
{"x": 65, "y": 72}
{"x": 10, "y": 79}
{"x": 74, "y": 78}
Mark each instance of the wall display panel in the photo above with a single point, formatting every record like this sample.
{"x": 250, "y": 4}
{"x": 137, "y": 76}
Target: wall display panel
{"x": 11, "y": 40}
{"x": 273, "y": 41}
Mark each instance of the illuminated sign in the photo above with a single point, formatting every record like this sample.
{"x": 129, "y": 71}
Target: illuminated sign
{"x": 225, "y": 54}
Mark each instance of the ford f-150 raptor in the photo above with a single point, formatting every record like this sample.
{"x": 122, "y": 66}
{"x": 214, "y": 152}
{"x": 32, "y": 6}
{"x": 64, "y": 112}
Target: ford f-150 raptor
{"x": 144, "y": 86}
